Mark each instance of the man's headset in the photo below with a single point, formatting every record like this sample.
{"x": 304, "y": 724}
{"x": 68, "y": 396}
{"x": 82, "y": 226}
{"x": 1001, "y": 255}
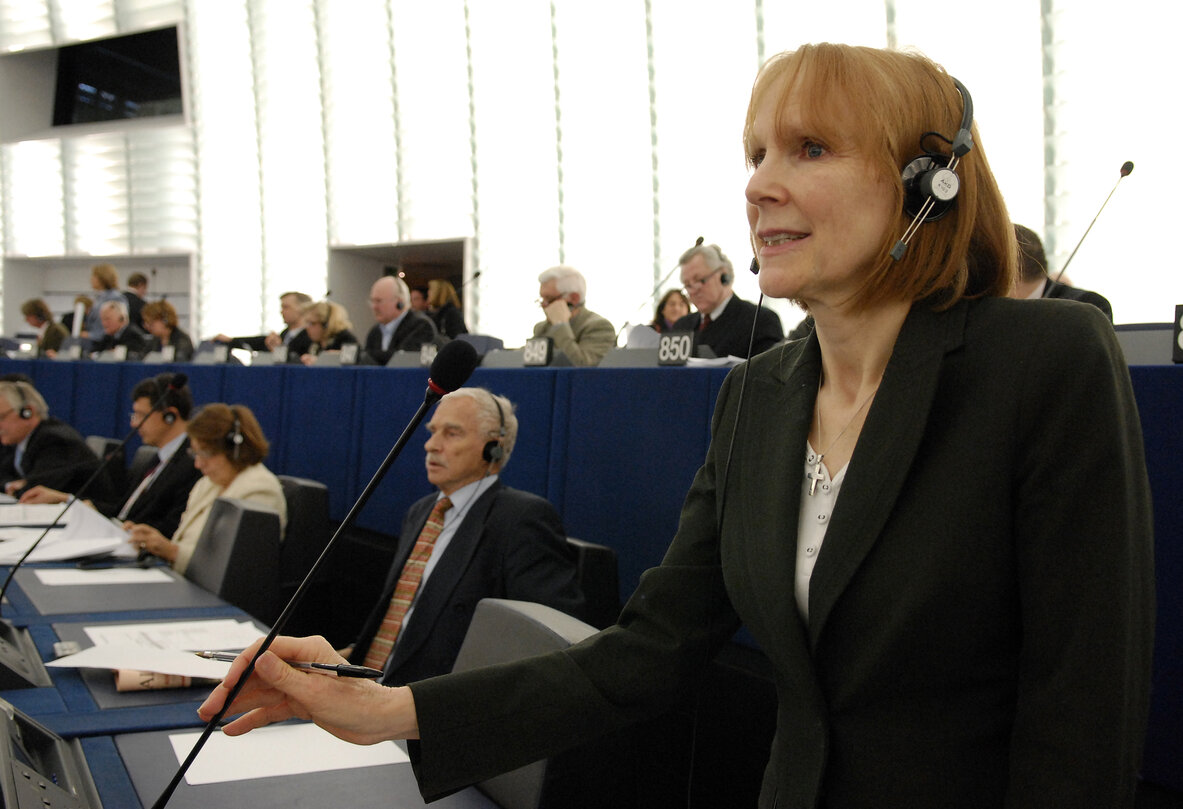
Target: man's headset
{"x": 494, "y": 451}
{"x": 24, "y": 409}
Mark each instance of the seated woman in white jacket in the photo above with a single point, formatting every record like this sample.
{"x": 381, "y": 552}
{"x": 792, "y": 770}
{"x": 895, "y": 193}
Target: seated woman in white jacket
{"x": 228, "y": 447}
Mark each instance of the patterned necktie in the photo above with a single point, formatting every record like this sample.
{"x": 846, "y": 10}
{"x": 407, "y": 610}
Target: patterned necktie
{"x": 408, "y": 584}
{"x": 706, "y": 321}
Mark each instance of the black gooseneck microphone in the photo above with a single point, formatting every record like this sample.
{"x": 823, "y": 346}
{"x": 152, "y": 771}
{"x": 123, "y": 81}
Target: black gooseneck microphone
{"x": 649, "y": 298}
{"x": 451, "y": 368}
{"x": 1126, "y": 168}
{"x": 177, "y": 382}
{"x": 471, "y": 278}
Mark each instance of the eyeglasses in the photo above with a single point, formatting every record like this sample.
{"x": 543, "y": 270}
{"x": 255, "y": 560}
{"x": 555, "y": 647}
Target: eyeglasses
{"x": 6, "y": 414}
{"x": 137, "y": 418}
{"x": 203, "y": 454}
{"x": 545, "y": 302}
{"x": 690, "y": 286}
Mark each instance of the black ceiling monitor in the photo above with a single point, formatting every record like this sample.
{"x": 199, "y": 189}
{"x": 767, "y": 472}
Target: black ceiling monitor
{"x": 132, "y": 76}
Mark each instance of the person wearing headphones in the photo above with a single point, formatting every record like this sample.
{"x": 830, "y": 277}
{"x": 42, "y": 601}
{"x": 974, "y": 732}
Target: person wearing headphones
{"x": 227, "y": 447}
{"x": 1034, "y": 282}
{"x": 472, "y": 538}
{"x": 578, "y": 332}
{"x": 158, "y": 497}
{"x": 45, "y": 451}
{"x": 399, "y": 328}
{"x": 49, "y": 334}
{"x": 932, "y": 513}
{"x": 723, "y": 320}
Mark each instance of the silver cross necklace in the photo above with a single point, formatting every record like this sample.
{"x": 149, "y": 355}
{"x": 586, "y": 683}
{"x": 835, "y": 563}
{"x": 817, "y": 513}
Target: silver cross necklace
{"x": 816, "y": 475}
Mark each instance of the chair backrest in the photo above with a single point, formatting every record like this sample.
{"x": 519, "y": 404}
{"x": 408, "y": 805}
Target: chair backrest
{"x": 502, "y": 630}
{"x": 100, "y": 445}
{"x": 599, "y": 578}
{"x": 145, "y": 456}
{"x": 307, "y": 532}
{"x": 483, "y": 343}
{"x": 237, "y": 556}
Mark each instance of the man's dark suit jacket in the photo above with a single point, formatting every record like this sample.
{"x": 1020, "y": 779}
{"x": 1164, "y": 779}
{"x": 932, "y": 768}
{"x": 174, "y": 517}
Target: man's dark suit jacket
{"x": 258, "y": 342}
{"x": 138, "y": 344}
{"x": 981, "y": 612}
{"x": 1054, "y": 289}
{"x": 729, "y": 334}
{"x": 57, "y": 456}
{"x": 135, "y": 307}
{"x": 162, "y": 503}
{"x": 415, "y": 330}
{"x": 510, "y": 544}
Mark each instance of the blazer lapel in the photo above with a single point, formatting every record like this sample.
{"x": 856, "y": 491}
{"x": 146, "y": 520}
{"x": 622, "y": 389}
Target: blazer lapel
{"x": 888, "y": 443}
{"x": 768, "y": 463}
{"x": 437, "y": 590}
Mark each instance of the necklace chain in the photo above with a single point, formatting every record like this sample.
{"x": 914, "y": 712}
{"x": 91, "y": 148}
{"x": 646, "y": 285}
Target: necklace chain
{"x": 816, "y": 474}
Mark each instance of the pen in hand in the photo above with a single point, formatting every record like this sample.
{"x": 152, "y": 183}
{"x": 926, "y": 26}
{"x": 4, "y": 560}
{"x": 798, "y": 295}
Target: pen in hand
{"x": 340, "y": 669}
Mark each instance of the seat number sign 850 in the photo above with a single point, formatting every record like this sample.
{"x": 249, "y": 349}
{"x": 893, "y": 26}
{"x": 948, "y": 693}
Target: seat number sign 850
{"x": 675, "y": 348}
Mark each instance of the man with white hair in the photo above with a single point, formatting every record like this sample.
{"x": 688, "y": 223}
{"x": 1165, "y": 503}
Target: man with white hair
{"x": 398, "y": 326}
{"x": 723, "y": 320}
{"x": 117, "y": 331}
{"x": 578, "y": 332}
{"x": 44, "y": 451}
{"x": 472, "y": 538}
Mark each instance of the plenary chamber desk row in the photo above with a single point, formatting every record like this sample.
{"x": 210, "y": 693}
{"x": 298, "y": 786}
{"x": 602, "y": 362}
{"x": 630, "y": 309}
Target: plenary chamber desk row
{"x": 130, "y": 742}
{"x": 614, "y": 449}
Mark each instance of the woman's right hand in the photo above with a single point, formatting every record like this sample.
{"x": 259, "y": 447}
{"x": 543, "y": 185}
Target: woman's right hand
{"x": 356, "y": 710}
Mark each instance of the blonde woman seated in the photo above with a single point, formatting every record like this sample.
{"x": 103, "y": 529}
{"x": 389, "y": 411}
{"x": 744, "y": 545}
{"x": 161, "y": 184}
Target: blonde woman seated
{"x": 327, "y": 326}
{"x": 228, "y": 449}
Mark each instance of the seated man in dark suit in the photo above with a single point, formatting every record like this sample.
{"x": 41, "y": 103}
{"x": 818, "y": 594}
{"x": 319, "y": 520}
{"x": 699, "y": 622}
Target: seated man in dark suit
{"x": 723, "y": 320}
{"x": 159, "y": 497}
{"x": 1034, "y": 281}
{"x": 118, "y": 331}
{"x": 475, "y": 538}
{"x": 399, "y": 327}
{"x": 291, "y": 309}
{"x": 46, "y": 451}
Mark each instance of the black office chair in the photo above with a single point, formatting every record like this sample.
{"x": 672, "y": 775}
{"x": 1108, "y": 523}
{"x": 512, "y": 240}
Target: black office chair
{"x": 593, "y": 775}
{"x": 600, "y": 581}
{"x": 100, "y": 445}
{"x": 237, "y": 557}
{"x": 140, "y": 462}
{"x": 308, "y": 530}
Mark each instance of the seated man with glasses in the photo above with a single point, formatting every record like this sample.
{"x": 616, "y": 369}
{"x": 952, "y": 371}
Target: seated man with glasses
{"x": 44, "y": 450}
{"x": 578, "y": 332}
{"x": 157, "y": 496}
{"x": 723, "y": 320}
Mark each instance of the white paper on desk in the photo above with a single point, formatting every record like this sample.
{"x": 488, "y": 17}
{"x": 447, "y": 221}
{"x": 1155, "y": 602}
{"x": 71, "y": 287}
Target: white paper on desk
{"x": 277, "y": 750}
{"x": 143, "y": 658}
{"x": 84, "y": 532}
{"x": 223, "y": 633}
{"x": 66, "y": 576}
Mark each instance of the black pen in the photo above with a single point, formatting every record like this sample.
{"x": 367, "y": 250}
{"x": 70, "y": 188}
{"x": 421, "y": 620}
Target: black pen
{"x": 340, "y": 669}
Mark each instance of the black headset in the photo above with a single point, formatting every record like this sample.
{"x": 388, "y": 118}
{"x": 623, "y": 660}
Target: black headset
{"x": 493, "y": 451}
{"x": 234, "y": 438}
{"x": 25, "y": 410}
{"x": 930, "y": 180}
{"x": 166, "y": 395}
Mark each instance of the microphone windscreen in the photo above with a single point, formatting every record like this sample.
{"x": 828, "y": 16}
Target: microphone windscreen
{"x": 453, "y": 365}
{"x": 755, "y": 266}
{"x": 1126, "y": 168}
{"x": 178, "y": 381}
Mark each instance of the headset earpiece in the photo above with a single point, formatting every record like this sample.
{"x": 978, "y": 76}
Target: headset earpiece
{"x": 930, "y": 180}
{"x": 234, "y": 437}
{"x": 493, "y": 451}
{"x": 25, "y": 411}
{"x": 169, "y": 417}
